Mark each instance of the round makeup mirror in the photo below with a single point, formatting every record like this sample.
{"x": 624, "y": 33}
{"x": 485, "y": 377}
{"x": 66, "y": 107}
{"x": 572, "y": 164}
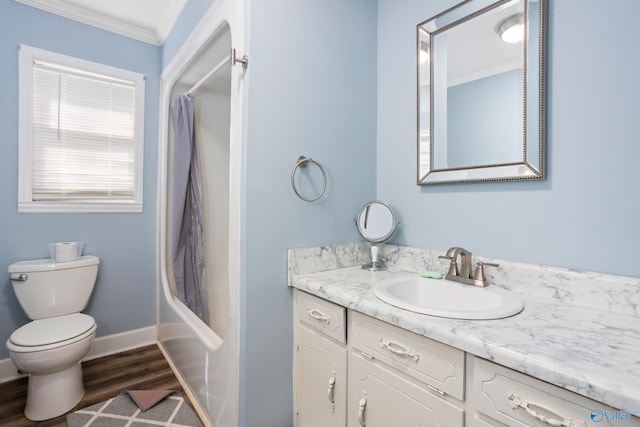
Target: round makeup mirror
{"x": 376, "y": 222}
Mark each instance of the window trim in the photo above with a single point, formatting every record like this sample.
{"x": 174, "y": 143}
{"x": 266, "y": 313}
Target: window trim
{"x": 26, "y": 204}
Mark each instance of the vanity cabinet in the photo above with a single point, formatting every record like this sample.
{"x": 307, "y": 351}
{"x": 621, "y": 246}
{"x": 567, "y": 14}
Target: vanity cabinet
{"x": 320, "y": 362}
{"x": 394, "y": 377}
{"x": 356, "y": 371}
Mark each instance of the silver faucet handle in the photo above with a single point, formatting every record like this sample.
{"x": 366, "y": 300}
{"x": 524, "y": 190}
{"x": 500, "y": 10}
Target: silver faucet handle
{"x": 453, "y": 265}
{"x": 479, "y": 273}
{"x": 488, "y": 264}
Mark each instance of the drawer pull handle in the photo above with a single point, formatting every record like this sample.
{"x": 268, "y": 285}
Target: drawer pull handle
{"x": 318, "y": 315}
{"x": 332, "y": 385}
{"x": 516, "y": 402}
{"x": 362, "y": 404}
{"x": 398, "y": 349}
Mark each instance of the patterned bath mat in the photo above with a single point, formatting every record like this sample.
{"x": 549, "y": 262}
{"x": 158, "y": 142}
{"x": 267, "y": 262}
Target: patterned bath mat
{"x": 122, "y": 411}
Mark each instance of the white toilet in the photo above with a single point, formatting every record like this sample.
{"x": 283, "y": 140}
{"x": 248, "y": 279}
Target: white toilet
{"x": 50, "y": 347}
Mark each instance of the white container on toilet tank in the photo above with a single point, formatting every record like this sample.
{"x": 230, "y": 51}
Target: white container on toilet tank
{"x": 65, "y": 251}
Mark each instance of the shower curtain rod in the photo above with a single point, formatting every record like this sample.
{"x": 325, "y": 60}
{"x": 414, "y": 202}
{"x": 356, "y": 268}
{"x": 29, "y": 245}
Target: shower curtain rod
{"x": 208, "y": 75}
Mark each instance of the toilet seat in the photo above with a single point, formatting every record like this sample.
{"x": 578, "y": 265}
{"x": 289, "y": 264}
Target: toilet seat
{"x": 52, "y": 332}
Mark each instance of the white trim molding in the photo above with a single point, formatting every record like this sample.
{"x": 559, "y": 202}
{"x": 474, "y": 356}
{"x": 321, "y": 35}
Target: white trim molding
{"x": 147, "y": 21}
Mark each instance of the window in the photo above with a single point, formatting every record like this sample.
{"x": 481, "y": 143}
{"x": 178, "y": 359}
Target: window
{"x": 81, "y": 135}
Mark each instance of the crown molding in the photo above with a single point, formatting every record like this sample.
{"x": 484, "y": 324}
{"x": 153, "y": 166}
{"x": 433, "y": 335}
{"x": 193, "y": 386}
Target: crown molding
{"x": 126, "y": 27}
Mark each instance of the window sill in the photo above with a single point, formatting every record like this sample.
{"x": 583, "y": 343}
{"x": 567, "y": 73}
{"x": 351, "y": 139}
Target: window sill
{"x": 42, "y": 207}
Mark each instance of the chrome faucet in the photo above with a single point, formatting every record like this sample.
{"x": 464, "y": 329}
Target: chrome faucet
{"x": 464, "y": 273}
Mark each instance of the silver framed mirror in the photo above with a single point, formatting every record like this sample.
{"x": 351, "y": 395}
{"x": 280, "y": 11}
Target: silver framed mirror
{"x": 480, "y": 77}
{"x": 376, "y": 222}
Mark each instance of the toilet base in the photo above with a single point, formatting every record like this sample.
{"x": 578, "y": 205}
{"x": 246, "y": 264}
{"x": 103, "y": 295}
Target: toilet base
{"x": 54, "y": 394}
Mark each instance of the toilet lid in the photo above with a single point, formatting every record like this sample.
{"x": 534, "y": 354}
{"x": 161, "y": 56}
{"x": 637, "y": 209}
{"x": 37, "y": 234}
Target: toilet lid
{"x": 52, "y": 330}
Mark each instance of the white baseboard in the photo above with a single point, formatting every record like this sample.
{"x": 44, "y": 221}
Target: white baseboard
{"x": 110, "y": 344}
{"x": 102, "y": 346}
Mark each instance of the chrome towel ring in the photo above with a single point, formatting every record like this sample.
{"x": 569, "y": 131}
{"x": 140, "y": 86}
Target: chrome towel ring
{"x": 302, "y": 163}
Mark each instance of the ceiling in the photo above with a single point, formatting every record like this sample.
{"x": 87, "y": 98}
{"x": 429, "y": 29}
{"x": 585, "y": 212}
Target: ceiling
{"x": 149, "y": 21}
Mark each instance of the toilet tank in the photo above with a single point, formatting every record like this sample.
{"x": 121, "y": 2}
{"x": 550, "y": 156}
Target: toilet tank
{"x": 45, "y": 288}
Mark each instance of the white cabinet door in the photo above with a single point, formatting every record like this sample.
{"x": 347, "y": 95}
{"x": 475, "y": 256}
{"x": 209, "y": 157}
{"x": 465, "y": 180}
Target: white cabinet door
{"x": 379, "y": 397}
{"x": 321, "y": 381}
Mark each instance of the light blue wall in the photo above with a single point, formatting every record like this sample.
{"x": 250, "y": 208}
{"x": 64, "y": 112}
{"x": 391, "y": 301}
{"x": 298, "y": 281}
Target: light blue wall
{"x": 125, "y": 291}
{"x": 311, "y": 91}
{"x": 585, "y": 214}
{"x": 189, "y": 17}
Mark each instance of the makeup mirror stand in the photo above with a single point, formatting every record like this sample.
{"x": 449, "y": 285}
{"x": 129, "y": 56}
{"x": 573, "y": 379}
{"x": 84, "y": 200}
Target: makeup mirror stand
{"x": 376, "y": 222}
{"x": 376, "y": 264}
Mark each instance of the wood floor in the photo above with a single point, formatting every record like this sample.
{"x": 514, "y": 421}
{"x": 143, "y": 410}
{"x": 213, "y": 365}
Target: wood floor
{"x": 142, "y": 368}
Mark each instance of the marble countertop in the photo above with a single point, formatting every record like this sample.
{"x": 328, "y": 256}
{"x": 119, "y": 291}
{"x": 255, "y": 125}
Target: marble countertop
{"x": 585, "y": 350}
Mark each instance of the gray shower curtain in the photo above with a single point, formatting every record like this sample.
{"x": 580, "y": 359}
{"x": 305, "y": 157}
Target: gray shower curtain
{"x": 186, "y": 210}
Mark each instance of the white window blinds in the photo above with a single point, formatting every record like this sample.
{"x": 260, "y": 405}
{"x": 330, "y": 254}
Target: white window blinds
{"x": 81, "y": 135}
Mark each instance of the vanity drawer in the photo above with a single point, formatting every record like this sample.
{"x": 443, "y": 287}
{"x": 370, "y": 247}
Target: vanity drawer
{"x": 438, "y": 365}
{"x": 322, "y": 316}
{"x": 519, "y": 400}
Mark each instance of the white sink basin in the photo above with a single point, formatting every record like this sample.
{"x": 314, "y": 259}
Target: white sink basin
{"x": 444, "y": 298}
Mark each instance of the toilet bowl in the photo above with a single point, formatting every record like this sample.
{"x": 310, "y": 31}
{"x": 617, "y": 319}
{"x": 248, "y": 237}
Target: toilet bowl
{"x": 49, "y": 349}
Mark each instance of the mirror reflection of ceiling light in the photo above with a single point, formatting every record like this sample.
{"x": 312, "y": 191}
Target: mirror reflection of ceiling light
{"x": 511, "y": 30}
